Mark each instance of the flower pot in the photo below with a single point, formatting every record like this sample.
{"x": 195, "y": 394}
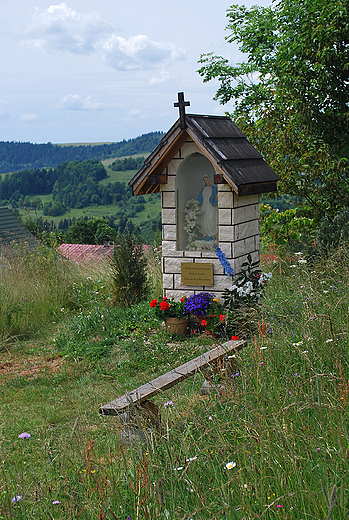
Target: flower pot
{"x": 176, "y": 325}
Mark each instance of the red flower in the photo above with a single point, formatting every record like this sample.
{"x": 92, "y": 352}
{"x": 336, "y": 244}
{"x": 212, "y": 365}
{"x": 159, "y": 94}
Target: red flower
{"x": 221, "y": 317}
{"x": 153, "y": 303}
{"x": 234, "y": 338}
{"x": 203, "y": 323}
{"x": 164, "y": 305}
{"x": 182, "y": 299}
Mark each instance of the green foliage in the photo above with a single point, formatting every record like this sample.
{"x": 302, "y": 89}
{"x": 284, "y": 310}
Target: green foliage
{"x": 284, "y": 228}
{"x": 128, "y": 163}
{"x": 291, "y": 96}
{"x": 333, "y": 233}
{"x": 130, "y": 281}
{"x": 92, "y": 231}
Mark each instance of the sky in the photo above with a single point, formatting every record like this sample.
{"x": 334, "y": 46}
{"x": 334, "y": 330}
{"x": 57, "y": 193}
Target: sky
{"x": 83, "y": 71}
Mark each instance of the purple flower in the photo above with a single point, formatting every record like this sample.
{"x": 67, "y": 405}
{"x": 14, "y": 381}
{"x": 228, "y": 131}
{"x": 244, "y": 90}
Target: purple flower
{"x": 318, "y": 449}
{"x": 24, "y": 435}
{"x": 199, "y": 304}
{"x": 168, "y": 403}
{"x": 54, "y": 502}
{"x": 17, "y": 498}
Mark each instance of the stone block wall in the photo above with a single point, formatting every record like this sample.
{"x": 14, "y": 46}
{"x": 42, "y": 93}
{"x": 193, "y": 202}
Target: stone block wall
{"x": 238, "y": 234}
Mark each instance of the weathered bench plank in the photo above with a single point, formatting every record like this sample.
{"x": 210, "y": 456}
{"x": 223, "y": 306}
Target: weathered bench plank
{"x": 171, "y": 378}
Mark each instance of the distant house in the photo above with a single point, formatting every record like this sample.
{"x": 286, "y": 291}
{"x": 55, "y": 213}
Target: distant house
{"x": 13, "y": 232}
{"x": 86, "y": 253}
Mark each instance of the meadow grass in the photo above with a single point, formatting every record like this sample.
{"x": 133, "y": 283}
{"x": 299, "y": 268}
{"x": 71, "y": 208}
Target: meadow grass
{"x": 275, "y": 444}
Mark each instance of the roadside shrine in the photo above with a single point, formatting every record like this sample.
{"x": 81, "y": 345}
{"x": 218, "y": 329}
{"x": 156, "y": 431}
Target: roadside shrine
{"x": 210, "y": 178}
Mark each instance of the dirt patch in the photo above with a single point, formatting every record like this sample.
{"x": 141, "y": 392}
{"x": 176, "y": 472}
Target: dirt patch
{"x": 29, "y": 367}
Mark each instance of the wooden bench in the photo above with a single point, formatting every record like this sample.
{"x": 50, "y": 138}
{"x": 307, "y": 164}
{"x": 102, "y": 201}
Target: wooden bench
{"x": 166, "y": 381}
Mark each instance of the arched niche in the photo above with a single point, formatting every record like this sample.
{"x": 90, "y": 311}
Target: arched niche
{"x": 197, "y": 205}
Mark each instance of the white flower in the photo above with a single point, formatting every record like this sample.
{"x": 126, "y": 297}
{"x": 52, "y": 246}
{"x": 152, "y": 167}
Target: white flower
{"x": 329, "y": 340}
{"x": 302, "y": 261}
{"x": 297, "y": 344}
{"x": 191, "y": 459}
{"x": 299, "y": 253}
{"x": 230, "y": 465}
{"x": 178, "y": 469}
{"x": 263, "y": 348}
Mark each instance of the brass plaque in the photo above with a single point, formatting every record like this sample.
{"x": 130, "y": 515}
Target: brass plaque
{"x": 197, "y": 274}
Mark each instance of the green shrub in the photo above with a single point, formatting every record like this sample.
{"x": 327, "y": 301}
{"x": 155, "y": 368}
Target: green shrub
{"x": 129, "y": 280}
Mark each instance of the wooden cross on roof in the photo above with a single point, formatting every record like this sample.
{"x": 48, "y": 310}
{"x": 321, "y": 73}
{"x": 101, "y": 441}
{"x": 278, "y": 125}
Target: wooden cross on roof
{"x": 181, "y": 105}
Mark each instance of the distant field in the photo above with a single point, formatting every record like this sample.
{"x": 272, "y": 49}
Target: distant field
{"x": 151, "y": 210}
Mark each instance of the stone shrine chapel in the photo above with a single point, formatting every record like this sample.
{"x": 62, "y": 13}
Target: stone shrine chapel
{"x": 210, "y": 178}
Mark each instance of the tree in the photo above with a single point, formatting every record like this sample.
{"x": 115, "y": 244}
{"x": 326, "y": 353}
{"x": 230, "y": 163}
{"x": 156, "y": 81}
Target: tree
{"x": 130, "y": 280}
{"x": 291, "y": 94}
{"x": 92, "y": 231}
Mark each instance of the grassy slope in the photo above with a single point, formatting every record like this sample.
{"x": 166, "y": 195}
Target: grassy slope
{"x": 283, "y": 421}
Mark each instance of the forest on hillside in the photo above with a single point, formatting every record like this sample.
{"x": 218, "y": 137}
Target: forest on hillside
{"x": 74, "y": 184}
{"x": 16, "y": 156}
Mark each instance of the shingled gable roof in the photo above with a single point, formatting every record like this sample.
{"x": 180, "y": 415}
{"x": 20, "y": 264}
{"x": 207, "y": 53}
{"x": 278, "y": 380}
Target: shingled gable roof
{"x": 12, "y": 231}
{"x": 239, "y": 163}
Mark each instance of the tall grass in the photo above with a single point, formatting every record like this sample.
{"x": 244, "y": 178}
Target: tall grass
{"x": 275, "y": 444}
{"x": 36, "y": 287}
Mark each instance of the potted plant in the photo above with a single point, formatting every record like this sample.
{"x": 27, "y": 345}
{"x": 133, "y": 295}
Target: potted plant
{"x": 173, "y": 313}
{"x": 207, "y": 310}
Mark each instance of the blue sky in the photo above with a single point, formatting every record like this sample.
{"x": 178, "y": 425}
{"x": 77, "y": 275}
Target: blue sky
{"x": 83, "y": 71}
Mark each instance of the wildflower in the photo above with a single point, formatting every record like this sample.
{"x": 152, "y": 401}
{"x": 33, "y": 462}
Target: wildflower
{"x": 210, "y": 418}
{"x": 54, "y": 502}
{"x": 329, "y": 340}
{"x": 168, "y": 403}
{"x": 318, "y": 449}
{"x": 153, "y": 303}
{"x": 178, "y": 469}
{"x": 263, "y": 348}
{"x": 234, "y": 338}
{"x": 191, "y": 459}
{"x": 204, "y": 323}
{"x": 302, "y": 261}
{"x": 297, "y": 344}
{"x": 182, "y": 299}
{"x": 24, "y": 435}
{"x": 221, "y": 317}
{"x": 17, "y": 498}
{"x": 279, "y": 505}
{"x": 230, "y": 465}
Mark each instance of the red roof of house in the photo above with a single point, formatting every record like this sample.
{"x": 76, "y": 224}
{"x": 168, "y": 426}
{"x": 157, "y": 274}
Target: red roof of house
{"x": 83, "y": 253}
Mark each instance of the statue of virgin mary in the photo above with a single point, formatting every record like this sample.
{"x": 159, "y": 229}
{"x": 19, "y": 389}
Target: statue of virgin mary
{"x": 208, "y": 202}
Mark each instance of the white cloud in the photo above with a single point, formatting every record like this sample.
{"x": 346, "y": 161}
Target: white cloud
{"x": 76, "y": 102}
{"x": 134, "y": 115}
{"x": 139, "y": 53}
{"x": 27, "y": 118}
{"x": 61, "y": 28}
{"x": 163, "y": 77}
